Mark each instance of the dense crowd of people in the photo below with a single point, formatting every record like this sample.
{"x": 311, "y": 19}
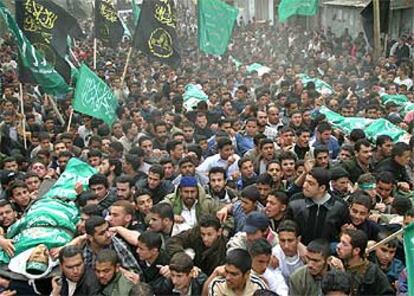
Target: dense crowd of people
{"x": 252, "y": 192}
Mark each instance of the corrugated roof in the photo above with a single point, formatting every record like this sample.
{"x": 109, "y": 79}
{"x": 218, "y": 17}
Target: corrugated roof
{"x": 353, "y": 3}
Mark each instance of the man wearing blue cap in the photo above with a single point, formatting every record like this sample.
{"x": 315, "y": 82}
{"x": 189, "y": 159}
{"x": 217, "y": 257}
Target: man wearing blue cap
{"x": 190, "y": 200}
{"x": 257, "y": 226}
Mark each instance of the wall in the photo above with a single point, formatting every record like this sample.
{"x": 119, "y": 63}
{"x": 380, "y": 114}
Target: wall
{"x": 260, "y": 9}
{"x": 341, "y": 17}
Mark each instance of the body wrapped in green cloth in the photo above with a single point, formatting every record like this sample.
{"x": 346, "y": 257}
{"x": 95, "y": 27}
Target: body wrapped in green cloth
{"x": 51, "y": 220}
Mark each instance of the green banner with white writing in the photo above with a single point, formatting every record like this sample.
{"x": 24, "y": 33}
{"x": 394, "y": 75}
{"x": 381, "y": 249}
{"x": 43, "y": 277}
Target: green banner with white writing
{"x": 215, "y": 25}
{"x": 94, "y": 97}
{"x": 288, "y": 8}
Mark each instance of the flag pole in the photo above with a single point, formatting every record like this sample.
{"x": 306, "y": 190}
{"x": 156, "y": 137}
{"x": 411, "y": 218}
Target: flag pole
{"x": 55, "y": 108}
{"x": 385, "y": 240}
{"x": 126, "y": 66}
{"x": 94, "y": 53}
{"x": 23, "y": 115}
{"x": 74, "y": 57}
{"x": 70, "y": 119}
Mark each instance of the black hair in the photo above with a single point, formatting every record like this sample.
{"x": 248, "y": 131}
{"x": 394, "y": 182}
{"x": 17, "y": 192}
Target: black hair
{"x": 287, "y": 155}
{"x": 382, "y": 139}
{"x": 117, "y": 164}
{"x": 323, "y": 127}
{"x": 265, "y": 178}
{"x": 336, "y": 281}
{"x": 157, "y": 169}
{"x": 94, "y": 153}
{"x": 320, "y": 246}
{"x": 16, "y": 184}
{"x": 361, "y": 198}
{"x": 69, "y": 252}
{"x": 240, "y": 259}
{"x": 321, "y": 175}
{"x": 172, "y": 144}
{"x": 288, "y": 226}
{"x": 282, "y": 197}
{"x": 209, "y": 220}
{"x": 65, "y": 153}
{"x": 196, "y": 149}
{"x": 107, "y": 255}
{"x": 349, "y": 148}
{"x": 243, "y": 160}
{"x": 359, "y": 239}
{"x": 360, "y": 143}
{"x": 409, "y": 213}
{"x": 117, "y": 146}
{"x": 273, "y": 161}
{"x": 126, "y": 126}
{"x": 151, "y": 240}
{"x": 401, "y": 205}
{"x": 181, "y": 262}
{"x": 385, "y": 177}
{"x": 98, "y": 179}
{"x": 218, "y": 170}
{"x": 399, "y": 149}
{"x": 357, "y": 134}
{"x": 134, "y": 161}
{"x": 394, "y": 243}
{"x": 4, "y": 202}
{"x": 320, "y": 149}
{"x": 142, "y": 139}
{"x": 260, "y": 247}
{"x": 125, "y": 179}
{"x": 166, "y": 160}
{"x": 91, "y": 210}
{"x": 92, "y": 223}
{"x": 222, "y": 142}
{"x": 302, "y": 130}
{"x": 185, "y": 160}
{"x": 164, "y": 210}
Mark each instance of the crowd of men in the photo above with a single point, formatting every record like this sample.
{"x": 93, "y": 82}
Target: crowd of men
{"x": 251, "y": 193}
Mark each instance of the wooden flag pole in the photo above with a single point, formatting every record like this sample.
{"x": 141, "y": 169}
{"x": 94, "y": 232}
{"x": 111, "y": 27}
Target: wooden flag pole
{"x": 55, "y": 108}
{"x": 385, "y": 240}
{"x": 74, "y": 57}
{"x": 70, "y": 120}
{"x": 126, "y": 66}
{"x": 23, "y": 121}
{"x": 94, "y": 53}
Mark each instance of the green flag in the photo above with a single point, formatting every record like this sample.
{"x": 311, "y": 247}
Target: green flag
{"x": 75, "y": 171}
{"x": 236, "y": 62}
{"x": 192, "y": 96}
{"x": 397, "y": 99}
{"x": 384, "y": 127}
{"x": 287, "y": 8}
{"x": 94, "y": 97}
{"x": 136, "y": 11}
{"x": 350, "y": 123}
{"x": 320, "y": 85}
{"x": 215, "y": 25}
{"x": 43, "y": 73}
{"x": 409, "y": 256}
{"x": 259, "y": 68}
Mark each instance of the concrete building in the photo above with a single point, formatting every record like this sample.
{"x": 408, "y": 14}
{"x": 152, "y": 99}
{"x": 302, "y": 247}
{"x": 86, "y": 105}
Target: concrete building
{"x": 340, "y": 14}
{"x": 260, "y": 10}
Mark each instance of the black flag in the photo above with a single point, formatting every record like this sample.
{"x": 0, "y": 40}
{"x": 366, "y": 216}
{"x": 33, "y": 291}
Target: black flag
{"x": 47, "y": 27}
{"x": 155, "y": 34}
{"x": 108, "y": 26}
